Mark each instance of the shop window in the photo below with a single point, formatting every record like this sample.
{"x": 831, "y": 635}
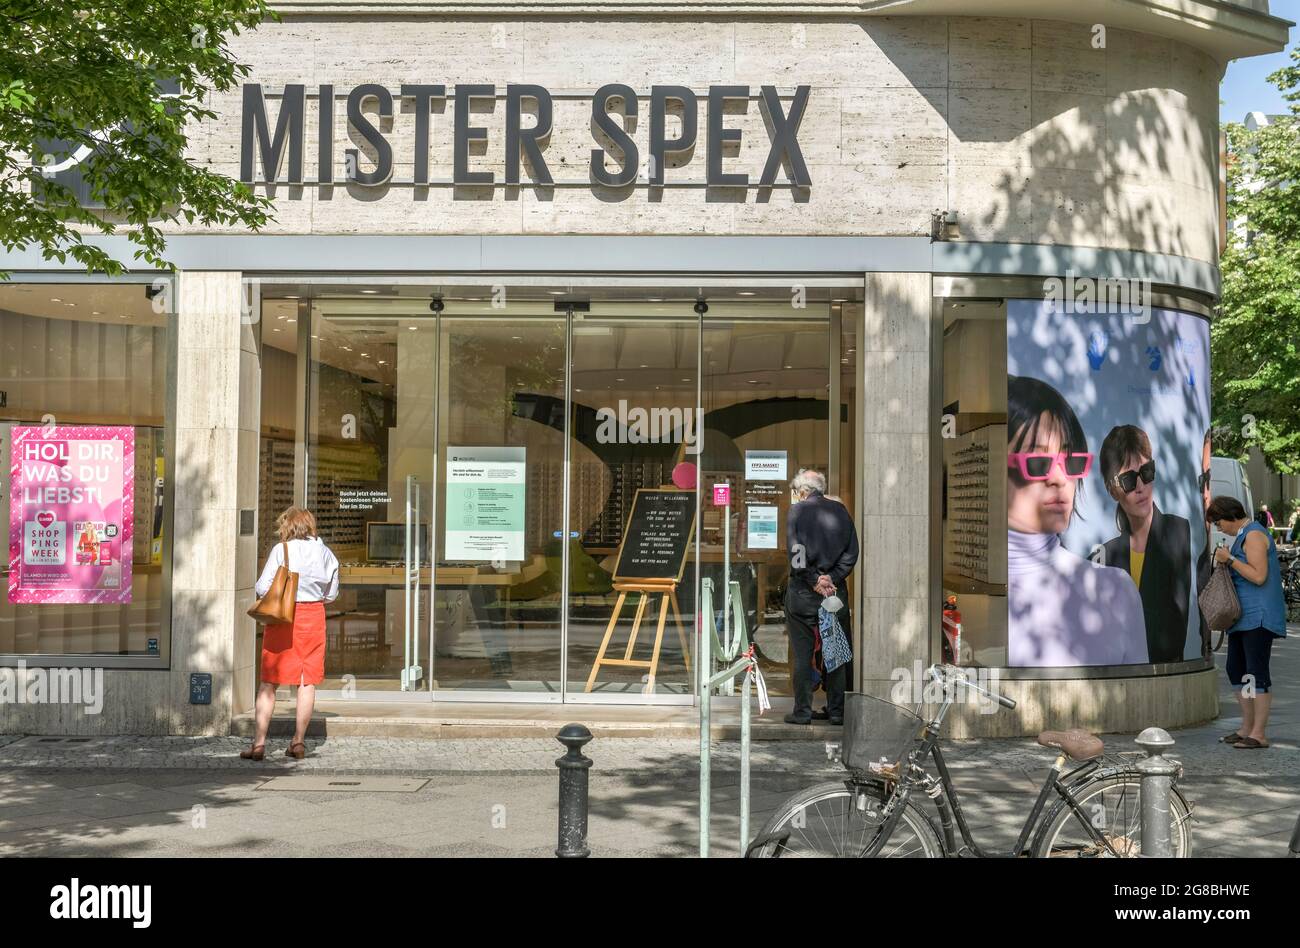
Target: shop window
{"x": 83, "y": 433}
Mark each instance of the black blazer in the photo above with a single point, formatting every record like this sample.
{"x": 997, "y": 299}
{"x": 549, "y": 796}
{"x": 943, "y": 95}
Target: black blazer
{"x": 1166, "y": 581}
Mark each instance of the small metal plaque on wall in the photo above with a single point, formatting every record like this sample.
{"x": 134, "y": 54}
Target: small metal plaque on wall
{"x": 200, "y": 688}
{"x": 247, "y": 522}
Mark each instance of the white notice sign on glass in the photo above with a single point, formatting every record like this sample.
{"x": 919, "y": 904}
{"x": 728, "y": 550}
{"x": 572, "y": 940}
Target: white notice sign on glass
{"x": 762, "y": 527}
{"x": 484, "y": 515}
{"x": 764, "y": 465}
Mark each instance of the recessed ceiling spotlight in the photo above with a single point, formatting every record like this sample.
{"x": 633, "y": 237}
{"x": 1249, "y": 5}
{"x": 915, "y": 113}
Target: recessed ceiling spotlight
{"x": 55, "y": 299}
{"x": 745, "y": 293}
{"x": 369, "y": 292}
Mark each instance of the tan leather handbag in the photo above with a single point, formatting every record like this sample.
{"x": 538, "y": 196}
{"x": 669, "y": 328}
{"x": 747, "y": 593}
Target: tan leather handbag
{"x": 277, "y": 606}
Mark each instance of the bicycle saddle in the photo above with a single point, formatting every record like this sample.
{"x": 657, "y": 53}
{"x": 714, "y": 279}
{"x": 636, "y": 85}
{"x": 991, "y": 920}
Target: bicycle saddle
{"x": 1074, "y": 743}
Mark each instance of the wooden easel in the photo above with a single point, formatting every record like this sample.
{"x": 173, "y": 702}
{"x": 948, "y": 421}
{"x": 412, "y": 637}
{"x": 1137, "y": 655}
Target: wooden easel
{"x": 665, "y": 588}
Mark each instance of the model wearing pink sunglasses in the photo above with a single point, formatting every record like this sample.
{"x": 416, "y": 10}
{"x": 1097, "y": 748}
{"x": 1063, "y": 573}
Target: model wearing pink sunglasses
{"x": 1037, "y": 466}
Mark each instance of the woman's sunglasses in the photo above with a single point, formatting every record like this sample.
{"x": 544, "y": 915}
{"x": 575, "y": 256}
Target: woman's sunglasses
{"x": 1128, "y": 481}
{"x": 1033, "y": 466}
{"x": 1204, "y": 480}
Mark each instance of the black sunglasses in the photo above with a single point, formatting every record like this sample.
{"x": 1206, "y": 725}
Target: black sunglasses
{"x": 1129, "y": 479}
{"x": 1204, "y": 480}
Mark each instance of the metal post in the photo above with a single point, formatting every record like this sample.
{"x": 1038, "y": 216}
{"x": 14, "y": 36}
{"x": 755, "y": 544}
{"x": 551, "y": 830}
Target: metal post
{"x": 744, "y": 760}
{"x": 1158, "y": 772}
{"x": 704, "y": 665}
{"x": 573, "y": 792}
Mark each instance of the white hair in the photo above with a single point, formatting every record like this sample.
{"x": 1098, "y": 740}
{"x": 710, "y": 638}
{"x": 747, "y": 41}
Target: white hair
{"x": 808, "y": 480}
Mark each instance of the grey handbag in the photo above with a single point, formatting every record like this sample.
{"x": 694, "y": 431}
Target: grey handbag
{"x": 1218, "y": 600}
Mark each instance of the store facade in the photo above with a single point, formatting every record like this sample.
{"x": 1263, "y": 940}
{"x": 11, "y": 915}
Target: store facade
{"x": 575, "y": 263}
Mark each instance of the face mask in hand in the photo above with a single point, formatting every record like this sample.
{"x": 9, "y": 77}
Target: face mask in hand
{"x": 832, "y": 604}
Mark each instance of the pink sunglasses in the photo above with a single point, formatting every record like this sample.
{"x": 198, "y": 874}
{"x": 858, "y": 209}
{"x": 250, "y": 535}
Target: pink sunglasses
{"x": 1035, "y": 466}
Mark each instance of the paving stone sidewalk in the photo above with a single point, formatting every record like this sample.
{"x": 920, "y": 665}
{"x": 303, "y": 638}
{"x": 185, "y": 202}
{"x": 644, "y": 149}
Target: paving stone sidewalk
{"x": 127, "y": 796}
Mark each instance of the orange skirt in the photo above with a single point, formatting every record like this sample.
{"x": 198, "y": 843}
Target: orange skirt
{"x": 295, "y": 654}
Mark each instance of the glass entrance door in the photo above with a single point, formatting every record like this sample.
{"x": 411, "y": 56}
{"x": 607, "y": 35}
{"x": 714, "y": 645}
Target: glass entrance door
{"x": 633, "y": 444}
{"x": 498, "y": 595}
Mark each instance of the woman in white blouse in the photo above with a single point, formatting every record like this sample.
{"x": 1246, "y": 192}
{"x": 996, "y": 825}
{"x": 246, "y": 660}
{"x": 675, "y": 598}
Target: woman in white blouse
{"x": 295, "y": 654}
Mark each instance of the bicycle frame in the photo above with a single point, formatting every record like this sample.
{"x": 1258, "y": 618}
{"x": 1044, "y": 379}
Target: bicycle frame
{"x": 946, "y": 801}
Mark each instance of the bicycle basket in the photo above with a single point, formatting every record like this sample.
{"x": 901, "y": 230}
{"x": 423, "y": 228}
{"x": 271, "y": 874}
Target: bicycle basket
{"x": 877, "y": 734}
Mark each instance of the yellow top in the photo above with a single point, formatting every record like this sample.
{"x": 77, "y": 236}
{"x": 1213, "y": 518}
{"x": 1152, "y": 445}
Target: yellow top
{"x": 1135, "y": 561}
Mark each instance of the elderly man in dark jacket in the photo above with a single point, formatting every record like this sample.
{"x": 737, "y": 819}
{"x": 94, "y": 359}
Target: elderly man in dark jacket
{"x": 823, "y": 548}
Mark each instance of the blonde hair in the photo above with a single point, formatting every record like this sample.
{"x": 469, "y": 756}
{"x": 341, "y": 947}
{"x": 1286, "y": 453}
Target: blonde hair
{"x": 295, "y": 524}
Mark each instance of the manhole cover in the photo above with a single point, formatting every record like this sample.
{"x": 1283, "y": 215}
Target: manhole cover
{"x": 345, "y": 784}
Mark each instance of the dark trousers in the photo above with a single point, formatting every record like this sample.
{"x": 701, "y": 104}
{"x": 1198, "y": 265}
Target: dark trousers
{"x": 801, "y": 604}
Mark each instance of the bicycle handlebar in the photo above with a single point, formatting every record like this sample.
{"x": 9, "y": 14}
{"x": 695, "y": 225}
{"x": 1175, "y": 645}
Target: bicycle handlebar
{"x": 956, "y": 675}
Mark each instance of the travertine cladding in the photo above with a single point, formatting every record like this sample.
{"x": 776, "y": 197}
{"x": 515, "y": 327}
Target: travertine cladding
{"x": 1020, "y": 126}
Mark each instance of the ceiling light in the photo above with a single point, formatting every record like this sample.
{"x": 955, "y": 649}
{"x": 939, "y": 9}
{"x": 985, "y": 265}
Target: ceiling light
{"x": 745, "y": 293}
{"x": 95, "y": 312}
{"x": 55, "y": 299}
{"x": 368, "y": 292}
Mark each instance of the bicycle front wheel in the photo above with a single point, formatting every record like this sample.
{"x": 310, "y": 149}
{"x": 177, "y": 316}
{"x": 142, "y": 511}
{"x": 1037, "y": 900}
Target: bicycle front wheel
{"x": 1113, "y": 805}
{"x": 841, "y": 820}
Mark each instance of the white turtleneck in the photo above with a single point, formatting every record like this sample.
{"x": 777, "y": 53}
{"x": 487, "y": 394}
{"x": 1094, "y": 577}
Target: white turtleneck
{"x": 1066, "y": 611}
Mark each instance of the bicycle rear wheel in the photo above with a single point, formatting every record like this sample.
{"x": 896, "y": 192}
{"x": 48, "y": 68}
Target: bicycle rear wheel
{"x": 1114, "y": 807}
{"x": 840, "y": 820}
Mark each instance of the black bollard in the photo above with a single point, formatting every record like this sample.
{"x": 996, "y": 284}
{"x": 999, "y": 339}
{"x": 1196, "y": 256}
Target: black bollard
{"x": 573, "y": 792}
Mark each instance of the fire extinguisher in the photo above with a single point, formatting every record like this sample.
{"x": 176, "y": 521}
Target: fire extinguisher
{"x": 951, "y": 631}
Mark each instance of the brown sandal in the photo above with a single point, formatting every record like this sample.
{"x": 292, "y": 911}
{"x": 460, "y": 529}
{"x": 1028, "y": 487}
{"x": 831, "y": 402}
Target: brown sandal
{"x": 294, "y": 752}
{"x": 1249, "y": 743}
{"x": 254, "y": 753}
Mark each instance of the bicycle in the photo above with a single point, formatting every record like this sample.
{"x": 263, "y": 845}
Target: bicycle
{"x": 1090, "y": 811}
{"x": 1290, "y": 564}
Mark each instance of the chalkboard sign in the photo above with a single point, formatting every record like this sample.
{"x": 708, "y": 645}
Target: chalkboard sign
{"x": 200, "y": 688}
{"x": 658, "y": 536}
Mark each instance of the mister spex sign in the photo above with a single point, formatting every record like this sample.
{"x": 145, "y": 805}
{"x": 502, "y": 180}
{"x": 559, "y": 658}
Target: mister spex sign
{"x": 615, "y": 109}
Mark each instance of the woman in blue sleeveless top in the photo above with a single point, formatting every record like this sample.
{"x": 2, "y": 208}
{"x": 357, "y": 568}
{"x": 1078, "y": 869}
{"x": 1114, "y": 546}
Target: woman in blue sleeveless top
{"x": 1257, "y": 578}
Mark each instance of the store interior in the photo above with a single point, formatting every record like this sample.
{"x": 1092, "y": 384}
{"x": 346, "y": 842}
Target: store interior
{"x": 402, "y": 381}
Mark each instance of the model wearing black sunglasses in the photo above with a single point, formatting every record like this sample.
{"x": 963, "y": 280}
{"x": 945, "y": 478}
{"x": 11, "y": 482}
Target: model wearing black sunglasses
{"x": 1127, "y": 481}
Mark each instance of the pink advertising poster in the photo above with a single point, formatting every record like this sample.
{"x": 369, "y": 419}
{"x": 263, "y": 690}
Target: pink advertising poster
{"x": 70, "y": 514}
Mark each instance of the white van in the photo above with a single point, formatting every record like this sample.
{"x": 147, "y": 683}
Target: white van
{"x": 1228, "y": 477}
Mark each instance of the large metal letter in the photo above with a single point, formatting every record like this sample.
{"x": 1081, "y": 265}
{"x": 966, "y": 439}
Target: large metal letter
{"x": 383, "y": 151}
{"x": 288, "y": 124}
{"x": 527, "y": 138}
{"x": 784, "y": 140}
{"x": 659, "y": 148}
{"x": 719, "y": 135}
{"x": 423, "y": 95}
{"x": 622, "y": 140}
{"x": 466, "y": 134}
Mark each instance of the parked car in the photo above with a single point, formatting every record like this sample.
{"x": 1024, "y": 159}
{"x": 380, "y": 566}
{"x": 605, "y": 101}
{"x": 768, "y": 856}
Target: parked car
{"x": 1228, "y": 478}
